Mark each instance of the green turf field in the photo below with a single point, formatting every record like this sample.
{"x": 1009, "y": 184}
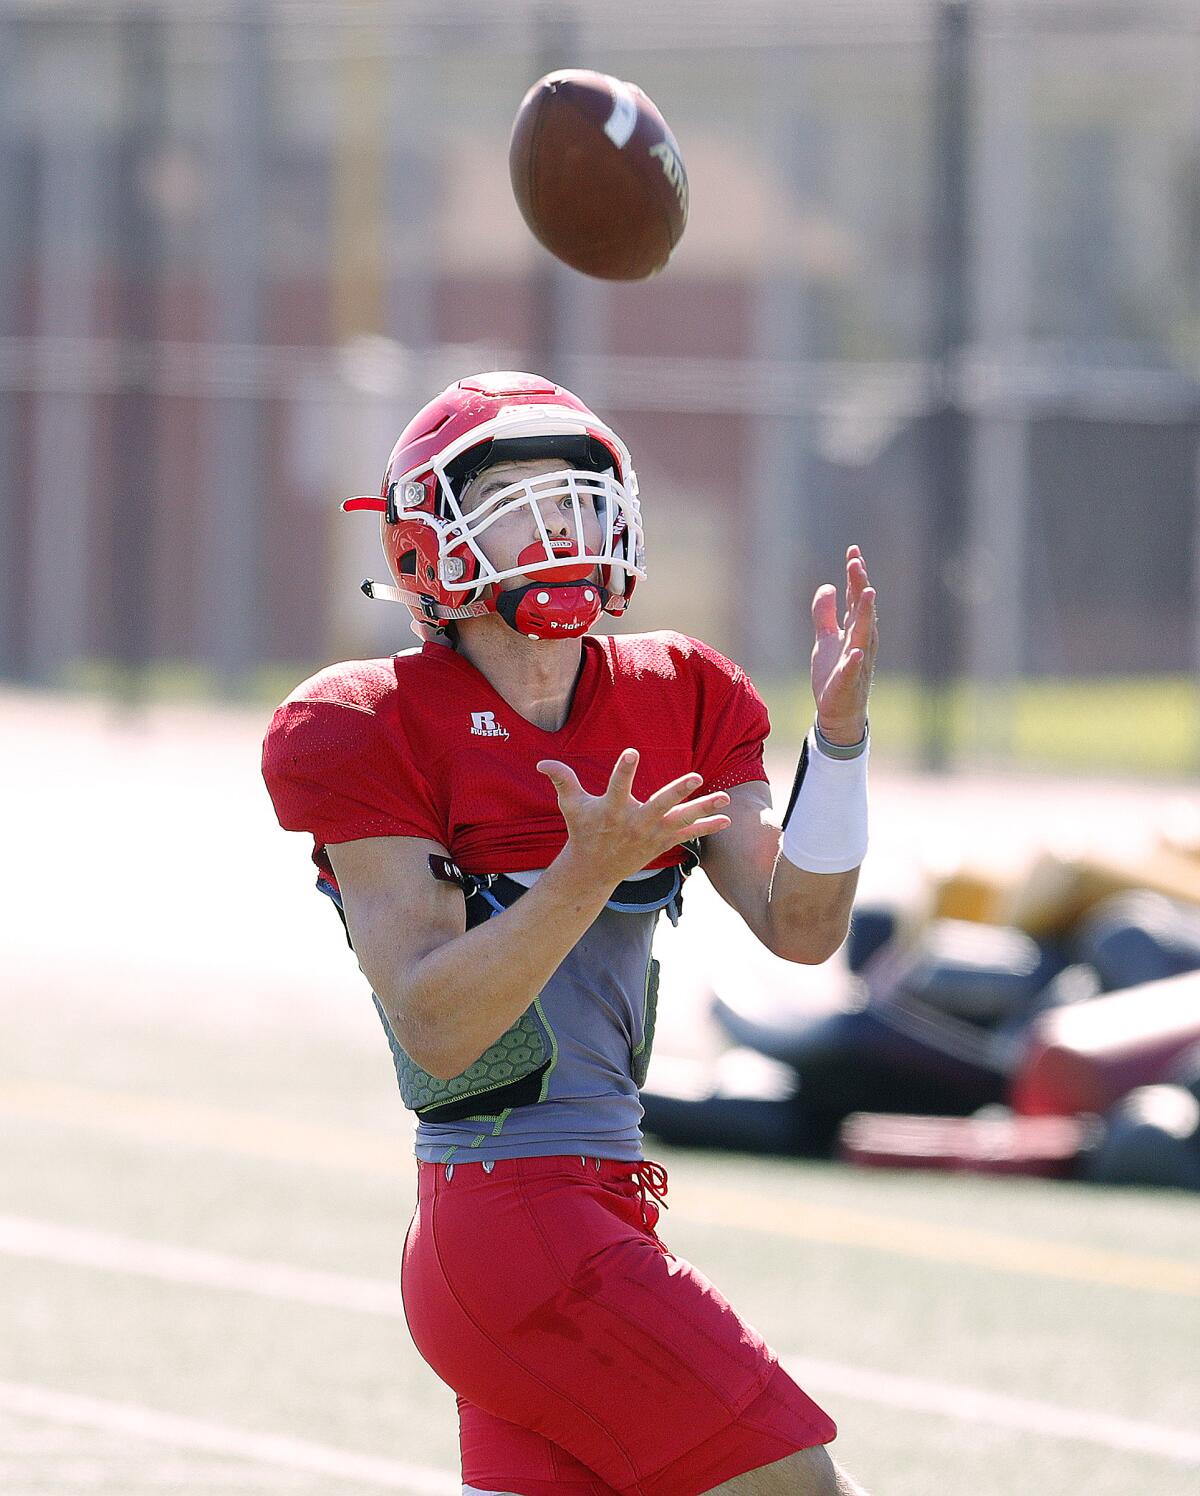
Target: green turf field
{"x": 1143, "y": 725}
{"x": 294, "y": 1157}
{"x": 206, "y": 1182}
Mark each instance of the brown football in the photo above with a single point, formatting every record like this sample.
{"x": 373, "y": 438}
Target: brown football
{"x": 597, "y": 175}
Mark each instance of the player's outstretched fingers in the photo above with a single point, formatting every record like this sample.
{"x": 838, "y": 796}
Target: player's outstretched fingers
{"x": 620, "y": 781}
{"x": 704, "y": 827}
{"x": 824, "y": 610}
{"x": 705, "y": 811}
{"x": 864, "y": 619}
{"x": 563, "y": 778}
{"x": 856, "y": 582}
{"x": 674, "y": 793}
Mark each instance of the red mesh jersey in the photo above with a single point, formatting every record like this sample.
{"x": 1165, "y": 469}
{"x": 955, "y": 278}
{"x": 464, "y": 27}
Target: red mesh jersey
{"x": 422, "y": 745}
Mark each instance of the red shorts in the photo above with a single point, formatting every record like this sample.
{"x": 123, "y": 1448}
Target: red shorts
{"x": 587, "y": 1358}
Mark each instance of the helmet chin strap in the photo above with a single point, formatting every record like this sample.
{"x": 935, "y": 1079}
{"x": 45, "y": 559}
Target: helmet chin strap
{"x": 552, "y": 610}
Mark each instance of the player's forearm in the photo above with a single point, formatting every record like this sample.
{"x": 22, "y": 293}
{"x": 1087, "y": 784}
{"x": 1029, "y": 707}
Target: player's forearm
{"x": 808, "y": 914}
{"x": 822, "y": 847}
{"x": 462, "y": 996}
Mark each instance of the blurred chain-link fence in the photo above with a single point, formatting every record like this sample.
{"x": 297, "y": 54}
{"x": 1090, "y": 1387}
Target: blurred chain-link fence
{"x": 940, "y": 294}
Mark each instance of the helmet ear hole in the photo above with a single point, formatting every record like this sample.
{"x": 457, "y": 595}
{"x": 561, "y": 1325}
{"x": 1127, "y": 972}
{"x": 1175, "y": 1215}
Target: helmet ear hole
{"x": 408, "y": 564}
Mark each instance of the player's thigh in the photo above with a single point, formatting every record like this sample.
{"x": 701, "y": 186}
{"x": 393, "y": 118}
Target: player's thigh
{"x": 808, "y": 1472}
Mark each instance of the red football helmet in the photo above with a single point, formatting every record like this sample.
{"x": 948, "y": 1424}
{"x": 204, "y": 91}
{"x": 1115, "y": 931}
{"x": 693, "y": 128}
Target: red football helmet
{"x": 432, "y": 547}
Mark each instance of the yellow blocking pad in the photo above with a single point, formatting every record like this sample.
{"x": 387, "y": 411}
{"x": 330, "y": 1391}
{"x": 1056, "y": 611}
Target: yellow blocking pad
{"x": 974, "y": 893}
{"x": 1049, "y": 895}
{"x": 1058, "y": 891}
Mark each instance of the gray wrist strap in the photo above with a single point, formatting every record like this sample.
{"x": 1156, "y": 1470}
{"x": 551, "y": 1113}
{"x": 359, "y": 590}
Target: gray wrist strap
{"x": 841, "y": 750}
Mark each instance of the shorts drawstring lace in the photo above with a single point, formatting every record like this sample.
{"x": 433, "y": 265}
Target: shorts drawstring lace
{"x": 651, "y": 1177}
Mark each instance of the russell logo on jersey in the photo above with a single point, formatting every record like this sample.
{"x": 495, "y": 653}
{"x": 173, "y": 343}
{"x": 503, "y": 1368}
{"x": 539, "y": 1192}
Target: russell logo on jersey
{"x": 484, "y": 725}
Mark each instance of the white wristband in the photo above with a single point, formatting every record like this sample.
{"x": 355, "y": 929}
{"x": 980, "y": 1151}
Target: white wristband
{"x": 825, "y": 829}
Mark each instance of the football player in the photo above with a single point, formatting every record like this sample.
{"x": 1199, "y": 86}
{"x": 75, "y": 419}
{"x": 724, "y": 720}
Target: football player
{"x": 500, "y": 816}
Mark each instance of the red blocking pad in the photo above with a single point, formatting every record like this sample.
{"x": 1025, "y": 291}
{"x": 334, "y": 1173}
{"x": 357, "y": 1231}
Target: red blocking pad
{"x": 1044, "y": 1146}
{"x": 1085, "y": 1057}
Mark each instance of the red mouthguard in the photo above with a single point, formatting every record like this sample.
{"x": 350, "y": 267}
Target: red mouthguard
{"x": 560, "y": 547}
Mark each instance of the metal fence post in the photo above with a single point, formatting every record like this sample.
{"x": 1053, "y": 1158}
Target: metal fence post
{"x": 779, "y": 557}
{"x": 14, "y": 268}
{"x": 69, "y": 84}
{"x": 939, "y": 641}
{"x": 239, "y": 478}
{"x": 139, "y": 254}
{"x": 999, "y": 490}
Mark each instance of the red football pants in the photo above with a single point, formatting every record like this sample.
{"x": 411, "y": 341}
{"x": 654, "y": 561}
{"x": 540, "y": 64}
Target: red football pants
{"x": 587, "y": 1358}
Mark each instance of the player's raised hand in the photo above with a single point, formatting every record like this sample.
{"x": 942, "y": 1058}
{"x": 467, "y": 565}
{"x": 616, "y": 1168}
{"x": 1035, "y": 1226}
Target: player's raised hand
{"x": 843, "y": 657}
{"x": 618, "y": 834}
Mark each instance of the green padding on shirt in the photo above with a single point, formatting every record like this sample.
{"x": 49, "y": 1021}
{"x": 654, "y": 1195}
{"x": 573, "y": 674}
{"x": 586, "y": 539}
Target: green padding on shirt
{"x": 641, "y": 1055}
{"x": 526, "y": 1047}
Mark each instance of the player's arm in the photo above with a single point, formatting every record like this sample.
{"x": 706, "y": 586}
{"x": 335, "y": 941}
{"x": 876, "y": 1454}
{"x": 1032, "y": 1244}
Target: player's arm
{"x": 449, "y": 992}
{"x": 799, "y": 915}
{"x": 795, "y": 888}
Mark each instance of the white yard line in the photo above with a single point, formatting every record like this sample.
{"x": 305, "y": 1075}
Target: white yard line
{"x": 44, "y": 1241}
{"x": 971, "y": 1405}
{"x": 136, "y": 1421}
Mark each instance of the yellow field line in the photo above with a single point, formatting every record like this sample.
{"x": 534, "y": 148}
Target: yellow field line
{"x": 938, "y": 1243}
{"x": 165, "y": 1119}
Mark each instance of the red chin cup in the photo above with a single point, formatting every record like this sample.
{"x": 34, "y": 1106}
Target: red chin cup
{"x": 550, "y": 610}
{"x": 563, "y": 547}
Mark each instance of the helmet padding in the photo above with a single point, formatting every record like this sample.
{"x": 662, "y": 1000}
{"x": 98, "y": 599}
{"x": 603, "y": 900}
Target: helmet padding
{"x": 583, "y": 453}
